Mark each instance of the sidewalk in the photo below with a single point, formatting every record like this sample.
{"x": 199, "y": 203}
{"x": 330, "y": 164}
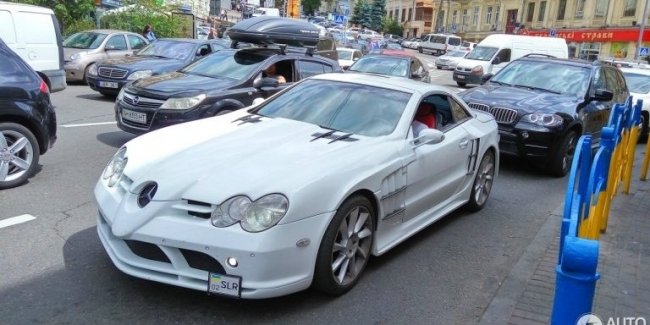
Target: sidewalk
{"x": 526, "y": 295}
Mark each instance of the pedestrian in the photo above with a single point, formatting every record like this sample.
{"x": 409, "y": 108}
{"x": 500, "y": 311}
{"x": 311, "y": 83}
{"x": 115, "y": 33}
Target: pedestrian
{"x": 148, "y": 33}
{"x": 224, "y": 15}
{"x": 212, "y": 34}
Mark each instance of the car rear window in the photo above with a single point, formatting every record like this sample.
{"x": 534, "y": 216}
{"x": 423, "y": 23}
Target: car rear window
{"x": 454, "y": 41}
{"x": 12, "y": 70}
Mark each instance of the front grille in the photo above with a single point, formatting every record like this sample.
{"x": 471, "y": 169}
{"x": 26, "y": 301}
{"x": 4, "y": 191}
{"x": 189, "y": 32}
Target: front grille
{"x": 137, "y": 101}
{"x": 501, "y": 114}
{"x": 201, "y": 261}
{"x": 147, "y": 250}
{"x": 112, "y": 73}
{"x": 195, "y": 208}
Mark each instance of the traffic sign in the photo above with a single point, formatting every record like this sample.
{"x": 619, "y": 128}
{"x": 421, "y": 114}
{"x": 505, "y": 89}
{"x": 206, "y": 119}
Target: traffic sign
{"x": 339, "y": 19}
{"x": 644, "y": 51}
{"x": 553, "y": 32}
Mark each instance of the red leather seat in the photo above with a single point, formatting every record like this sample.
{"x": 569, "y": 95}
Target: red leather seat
{"x": 426, "y": 115}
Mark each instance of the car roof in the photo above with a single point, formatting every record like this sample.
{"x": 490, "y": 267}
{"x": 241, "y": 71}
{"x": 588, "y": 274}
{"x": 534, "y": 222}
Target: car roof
{"x": 384, "y": 81}
{"x": 573, "y": 62}
{"x": 636, "y": 70}
{"x": 188, "y": 40}
{"x": 394, "y": 53}
{"x": 107, "y": 31}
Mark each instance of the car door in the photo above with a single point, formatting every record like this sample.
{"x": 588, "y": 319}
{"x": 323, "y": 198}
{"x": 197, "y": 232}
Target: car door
{"x": 438, "y": 171}
{"x": 116, "y": 46}
{"x": 500, "y": 60}
{"x": 596, "y": 113}
{"x": 136, "y": 42}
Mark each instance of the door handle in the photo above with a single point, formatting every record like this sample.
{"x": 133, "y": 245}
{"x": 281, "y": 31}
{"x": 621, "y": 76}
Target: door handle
{"x": 463, "y": 143}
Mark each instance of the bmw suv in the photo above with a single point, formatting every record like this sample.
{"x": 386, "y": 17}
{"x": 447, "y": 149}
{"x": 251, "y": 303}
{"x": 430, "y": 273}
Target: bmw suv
{"x": 543, "y": 105}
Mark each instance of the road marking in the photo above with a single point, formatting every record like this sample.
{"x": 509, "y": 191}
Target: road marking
{"x": 86, "y": 124}
{"x": 16, "y": 220}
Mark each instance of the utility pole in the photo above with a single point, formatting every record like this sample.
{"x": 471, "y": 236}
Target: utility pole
{"x": 639, "y": 43}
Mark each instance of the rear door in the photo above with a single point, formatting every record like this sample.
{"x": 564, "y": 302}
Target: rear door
{"x": 116, "y": 46}
{"x": 36, "y": 43}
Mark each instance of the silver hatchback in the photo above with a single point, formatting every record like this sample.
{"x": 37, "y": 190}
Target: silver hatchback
{"x": 84, "y": 48}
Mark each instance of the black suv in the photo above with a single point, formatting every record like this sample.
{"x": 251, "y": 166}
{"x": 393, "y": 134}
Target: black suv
{"x": 543, "y": 105}
{"x": 220, "y": 83}
{"x": 27, "y": 119}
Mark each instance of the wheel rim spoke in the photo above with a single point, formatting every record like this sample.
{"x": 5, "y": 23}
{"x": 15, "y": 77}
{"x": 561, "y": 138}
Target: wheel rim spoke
{"x": 354, "y": 216}
{"x": 4, "y": 170}
{"x": 362, "y": 252}
{"x": 19, "y": 144}
{"x": 337, "y": 262}
{"x": 343, "y": 230}
{"x": 3, "y": 141}
{"x": 365, "y": 233}
{"x": 339, "y": 247}
{"x": 363, "y": 217}
{"x": 20, "y": 163}
{"x": 343, "y": 270}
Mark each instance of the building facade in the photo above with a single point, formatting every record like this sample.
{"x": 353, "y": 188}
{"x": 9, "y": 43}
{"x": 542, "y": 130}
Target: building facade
{"x": 593, "y": 28}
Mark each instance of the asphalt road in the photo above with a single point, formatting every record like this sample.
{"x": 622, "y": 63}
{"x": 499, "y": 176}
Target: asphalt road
{"x": 54, "y": 269}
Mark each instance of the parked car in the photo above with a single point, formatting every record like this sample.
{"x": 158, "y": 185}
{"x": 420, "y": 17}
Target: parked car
{"x": 392, "y": 63}
{"x": 638, "y": 81}
{"x": 236, "y": 214}
{"x": 450, "y": 60}
{"x": 439, "y": 43}
{"x": 83, "y": 49}
{"x": 543, "y": 105}
{"x": 27, "y": 119}
{"x": 348, "y": 56}
{"x": 220, "y": 83}
{"x": 162, "y": 56}
{"x": 40, "y": 47}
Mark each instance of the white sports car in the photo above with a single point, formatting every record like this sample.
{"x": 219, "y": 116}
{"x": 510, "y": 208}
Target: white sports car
{"x": 297, "y": 190}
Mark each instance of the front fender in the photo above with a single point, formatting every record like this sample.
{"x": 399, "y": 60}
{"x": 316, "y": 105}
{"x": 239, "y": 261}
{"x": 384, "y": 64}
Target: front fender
{"x": 229, "y": 104}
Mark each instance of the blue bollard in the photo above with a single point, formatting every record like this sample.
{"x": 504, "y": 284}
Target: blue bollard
{"x": 576, "y": 278}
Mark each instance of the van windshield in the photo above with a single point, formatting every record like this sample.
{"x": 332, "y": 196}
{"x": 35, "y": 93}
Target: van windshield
{"x": 482, "y": 53}
{"x": 84, "y": 40}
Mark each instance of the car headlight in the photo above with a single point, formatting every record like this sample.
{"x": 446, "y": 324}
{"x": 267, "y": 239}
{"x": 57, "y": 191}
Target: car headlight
{"x": 183, "y": 102}
{"x": 115, "y": 168}
{"x": 254, "y": 216}
{"x": 543, "y": 119}
{"x": 92, "y": 69}
{"x": 77, "y": 56}
{"x": 140, "y": 74}
{"x": 120, "y": 95}
{"x": 477, "y": 69}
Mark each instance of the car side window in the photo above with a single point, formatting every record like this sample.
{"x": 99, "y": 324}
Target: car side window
{"x": 311, "y": 68}
{"x": 325, "y": 44}
{"x": 612, "y": 82}
{"x": 116, "y": 42}
{"x": 443, "y": 111}
{"x": 416, "y": 67}
{"x": 203, "y": 50}
{"x": 504, "y": 55}
{"x": 599, "y": 80}
{"x": 458, "y": 113}
{"x": 454, "y": 41}
{"x": 136, "y": 42}
{"x": 356, "y": 55}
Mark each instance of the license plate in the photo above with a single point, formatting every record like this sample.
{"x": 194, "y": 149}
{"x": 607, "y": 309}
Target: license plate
{"x": 108, "y": 84}
{"x": 134, "y": 116}
{"x": 460, "y": 76}
{"x": 227, "y": 285}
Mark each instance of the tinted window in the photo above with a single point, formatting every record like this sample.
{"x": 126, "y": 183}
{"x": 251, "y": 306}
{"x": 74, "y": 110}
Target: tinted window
{"x": 612, "y": 81}
{"x": 439, "y": 39}
{"x": 309, "y": 68}
{"x": 454, "y": 41}
{"x": 345, "y": 55}
{"x": 567, "y": 79}
{"x": 168, "y": 49}
{"x": 457, "y": 111}
{"x": 12, "y": 69}
{"x": 504, "y": 55}
{"x": 136, "y": 42}
{"x": 84, "y": 40}
{"x": 226, "y": 64}
{"x": 340, "y": 106}
{"x": 116, "y": 42}
{"x": 388, "y": 65}
{"x": 599, "y": 80}
{"x": 325, "y": 44}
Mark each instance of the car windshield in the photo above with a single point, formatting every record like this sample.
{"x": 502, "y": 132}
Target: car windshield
{"x": 482, "y": 53}
{"x": 380, "y": 64}
{"x": 169, "y": 49}
{"x": 340, "y": 106}
{"x": 566, "y": 79}
{"x": 345, "y": 55}
{"x": 226, "y": 64}
{"x": 638, "y": 83}
{"x": 457, "y": 54}
{"x": 393, "y": 46}
{"x": 84, "y": 40}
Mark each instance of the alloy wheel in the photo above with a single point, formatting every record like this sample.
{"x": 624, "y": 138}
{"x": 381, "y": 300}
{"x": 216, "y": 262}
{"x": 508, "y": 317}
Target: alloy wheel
{"x": 485, "y": 177}
{"x": 352, "y": 245}
{"x": 16, "y": 155}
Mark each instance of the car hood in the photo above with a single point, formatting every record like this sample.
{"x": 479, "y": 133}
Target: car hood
{"x": 213, "y": 159}
{"x": 645, "y": 97}
{"x": 524, "y": 100}
{"x": 176, "y": 83}
{"x": 135, "y": 62}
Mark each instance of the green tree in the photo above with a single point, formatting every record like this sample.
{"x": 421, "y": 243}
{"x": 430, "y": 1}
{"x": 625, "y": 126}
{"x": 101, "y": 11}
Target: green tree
{"x": 149, "y": 12}
{"x": 357, "y": 13}
{"x": 310, "y": 6}
{"x": 377, "y": 14}
{"x": 366, "y": 15}
{"x": 392, "y": 26}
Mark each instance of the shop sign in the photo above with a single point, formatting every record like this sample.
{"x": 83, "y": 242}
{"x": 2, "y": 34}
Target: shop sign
{"x": 595, "y": 35}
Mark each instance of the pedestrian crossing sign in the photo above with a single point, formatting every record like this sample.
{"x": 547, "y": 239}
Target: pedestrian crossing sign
{"x": 339, "y": 19}
{"x": 643, "y": 51}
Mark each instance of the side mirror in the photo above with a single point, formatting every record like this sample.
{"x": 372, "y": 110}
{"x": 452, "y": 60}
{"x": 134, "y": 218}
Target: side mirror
{"x": 603, "y": 94}
{"x": 496, "y": 60}
{"x": 429, "y": 136}
{"x": 258, "y": 101}
{"x": 417, "y": 75}
{"x": 355, "y": 59}
{"x": 265, "y": 82}
{"x": 486, "y": 77}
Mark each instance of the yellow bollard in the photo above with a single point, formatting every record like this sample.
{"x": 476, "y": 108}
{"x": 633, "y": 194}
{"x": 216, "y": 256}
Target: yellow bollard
{"x": 631, "y": 150}
{"x": 646, "y": 161}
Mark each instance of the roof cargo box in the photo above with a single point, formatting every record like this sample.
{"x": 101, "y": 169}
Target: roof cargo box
{"x": 266, "y": 30}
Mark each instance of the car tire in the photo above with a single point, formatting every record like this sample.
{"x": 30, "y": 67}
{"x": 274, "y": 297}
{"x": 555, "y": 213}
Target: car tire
{"x": 420, "y": 49}
{"x": 14, "y": 172}
{"x": 482, "y": 186}
{"x": 560, "y": 163}
{"x": 461, "y": 84}
{"x": 643, "y": 137}
{"x": 439, "y": 67}
{"x": 340, "y": 260}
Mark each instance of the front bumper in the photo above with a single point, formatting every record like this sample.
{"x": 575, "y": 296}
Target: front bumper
{"x": 189, "y": 247}
{"x": 466, "y": 77}
{"x": 97, "y": 83}
{"x": 74, "y": 72}
{"x": 534, "y": 143}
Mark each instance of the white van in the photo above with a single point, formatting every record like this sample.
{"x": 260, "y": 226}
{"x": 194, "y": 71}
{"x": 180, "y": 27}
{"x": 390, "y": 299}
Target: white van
{"x": 439, "y": 43}
{"x": 266, "y": 12}
{"x": 33, "y": 33}
{"x": 497, "y": 50}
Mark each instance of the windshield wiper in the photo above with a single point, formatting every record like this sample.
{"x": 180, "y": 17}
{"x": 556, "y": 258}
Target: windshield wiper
{"x": 248, "y": 119}
{"x": 538, "y": 88}
{"x": 500, "y": 83}
{"x": 342, "y": 137}
{"x": 322, "y": 135}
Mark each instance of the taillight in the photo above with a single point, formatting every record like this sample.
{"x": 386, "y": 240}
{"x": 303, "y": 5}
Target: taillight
{"x": 44, "y": 88}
